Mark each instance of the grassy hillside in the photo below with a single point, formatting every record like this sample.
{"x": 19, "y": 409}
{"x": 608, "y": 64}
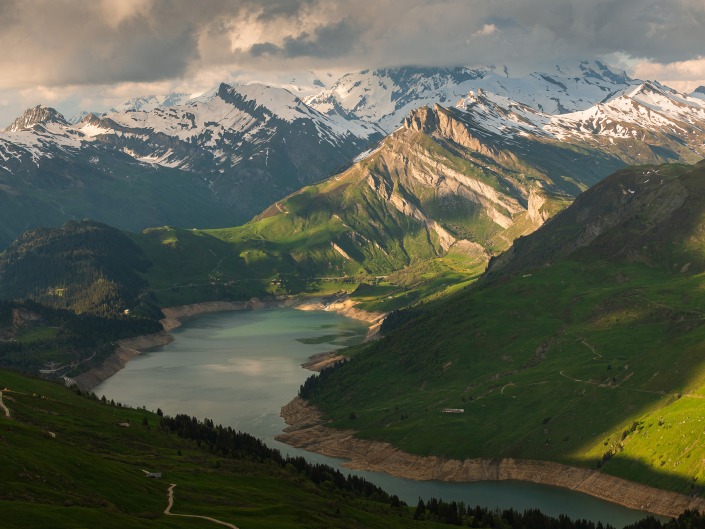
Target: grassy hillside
{"x": 77, "y": 461}
{"x": 74, "y": 465}
{"x": 584, "y": 345}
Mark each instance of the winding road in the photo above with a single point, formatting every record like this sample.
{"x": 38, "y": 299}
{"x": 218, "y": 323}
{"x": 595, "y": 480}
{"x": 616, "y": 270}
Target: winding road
{"x": 168, "y": 512}
{"x": 3, "y": 407}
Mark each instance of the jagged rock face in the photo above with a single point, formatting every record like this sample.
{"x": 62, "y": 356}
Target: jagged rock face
{"x": 36, "y": 116}
{"x": 216, "y": 161}
{"x": 423, "y": 179}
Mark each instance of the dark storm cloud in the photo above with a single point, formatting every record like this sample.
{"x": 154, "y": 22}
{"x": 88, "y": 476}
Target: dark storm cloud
{"x": 335, "y": 40}
{"x": 663, "y": 30}
{"x": 59, "y": 42}
{"x": 63, "y": 42}
{"x": 272, "y": 9}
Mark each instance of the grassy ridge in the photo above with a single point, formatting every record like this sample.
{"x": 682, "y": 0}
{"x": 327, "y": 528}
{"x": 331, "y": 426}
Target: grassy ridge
{"x": 69, "y": 460}
{"x": 72, "y": 465}
{"x": 589, "y": 356}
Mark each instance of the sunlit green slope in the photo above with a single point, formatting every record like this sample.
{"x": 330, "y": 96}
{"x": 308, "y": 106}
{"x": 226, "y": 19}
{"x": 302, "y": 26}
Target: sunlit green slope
{"x": 73, "y": 461}
{"x": 584, "y": 344}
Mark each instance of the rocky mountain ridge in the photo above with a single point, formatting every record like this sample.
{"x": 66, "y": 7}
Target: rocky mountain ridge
{"x": 386, "y": 96}
{"x": 240, "y": 148}
{"x": 582, "y": 345}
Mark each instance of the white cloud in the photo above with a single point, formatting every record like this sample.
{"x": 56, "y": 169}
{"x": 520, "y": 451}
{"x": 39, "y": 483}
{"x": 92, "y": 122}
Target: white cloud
{"x": 486, "y": 30}
{"x": 685, "y": 76}
{"x": 81, "y": 49}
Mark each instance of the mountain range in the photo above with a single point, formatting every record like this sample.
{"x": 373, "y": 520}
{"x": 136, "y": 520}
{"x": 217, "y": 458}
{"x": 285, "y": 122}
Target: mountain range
{"x": 219, "y": 159}
{"x": 582, "y": 344}
{"x": 467, "y": 180}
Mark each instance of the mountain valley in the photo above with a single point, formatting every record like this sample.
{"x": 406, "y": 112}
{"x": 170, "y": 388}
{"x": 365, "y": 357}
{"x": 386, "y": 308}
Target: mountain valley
{"x": 536, "y": 243}
{"x": 579, "y": 345}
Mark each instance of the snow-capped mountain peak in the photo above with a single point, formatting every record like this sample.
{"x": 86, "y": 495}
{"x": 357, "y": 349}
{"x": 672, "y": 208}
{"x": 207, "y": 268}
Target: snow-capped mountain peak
{"x": 699, "y": 92}
{"x": 147, "y": 103}
{"x": 386, "y": 96}
{"x": 665, "y": 100}
{"x": 279, "y": 102}
{"x": 38, "y": 115}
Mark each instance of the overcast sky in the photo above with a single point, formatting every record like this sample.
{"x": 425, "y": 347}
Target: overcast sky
{"x": 93, "y": 54}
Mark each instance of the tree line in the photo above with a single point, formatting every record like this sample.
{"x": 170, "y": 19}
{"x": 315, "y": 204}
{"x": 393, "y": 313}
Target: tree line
{"x": 226, "y": 442}
{"x": 77, "y": 336}
{"x": 83, "y": 266}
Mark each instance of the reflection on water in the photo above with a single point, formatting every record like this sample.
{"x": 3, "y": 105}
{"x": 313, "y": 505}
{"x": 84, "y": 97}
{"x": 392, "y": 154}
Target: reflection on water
{"x": 239, "y": 368}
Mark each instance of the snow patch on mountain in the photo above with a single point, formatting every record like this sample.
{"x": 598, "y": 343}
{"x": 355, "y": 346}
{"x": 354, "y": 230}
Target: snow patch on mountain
{"x": 387, "y": 96}
{"x": 646, "y": 107}
{"x": 148, "y": 103}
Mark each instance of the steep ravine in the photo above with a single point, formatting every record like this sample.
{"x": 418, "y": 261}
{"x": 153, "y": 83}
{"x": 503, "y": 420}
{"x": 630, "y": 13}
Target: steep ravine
{"x": 307, "y": 430}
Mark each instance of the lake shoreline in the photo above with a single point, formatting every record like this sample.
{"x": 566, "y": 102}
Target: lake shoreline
{"x": 129, "y": 348}
{"x": 308, "y": 430}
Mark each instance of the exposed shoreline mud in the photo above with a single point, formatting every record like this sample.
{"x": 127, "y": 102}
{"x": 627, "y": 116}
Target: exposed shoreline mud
{"x": 126, "y": 350}
{"x": 307, "y": 430}
{"x": 173, "y": 317}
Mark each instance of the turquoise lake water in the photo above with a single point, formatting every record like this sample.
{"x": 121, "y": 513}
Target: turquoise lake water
{"x": 240, "y": 368}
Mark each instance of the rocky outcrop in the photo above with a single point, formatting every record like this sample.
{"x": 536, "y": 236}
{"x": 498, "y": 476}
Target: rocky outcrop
{"x": 439, "y": 121}
{"x": 307, "y": 430}
{"x": 535, "y": 207}
{"x": 36, "y": 116}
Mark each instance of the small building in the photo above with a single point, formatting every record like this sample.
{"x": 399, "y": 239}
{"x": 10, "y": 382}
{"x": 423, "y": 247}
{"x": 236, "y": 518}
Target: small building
{"x": 154, "y": 475}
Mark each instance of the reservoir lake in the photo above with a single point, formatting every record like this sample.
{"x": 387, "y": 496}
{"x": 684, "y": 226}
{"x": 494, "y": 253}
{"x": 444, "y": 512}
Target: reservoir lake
{"x": 239, "y": 368}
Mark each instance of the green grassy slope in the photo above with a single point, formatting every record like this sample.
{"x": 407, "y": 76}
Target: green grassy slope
{"x": 585, "y": 345}
{"x": 67, "y": 462}
{"x": 70, "y": 460}
{"x": 384, "y": 214}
